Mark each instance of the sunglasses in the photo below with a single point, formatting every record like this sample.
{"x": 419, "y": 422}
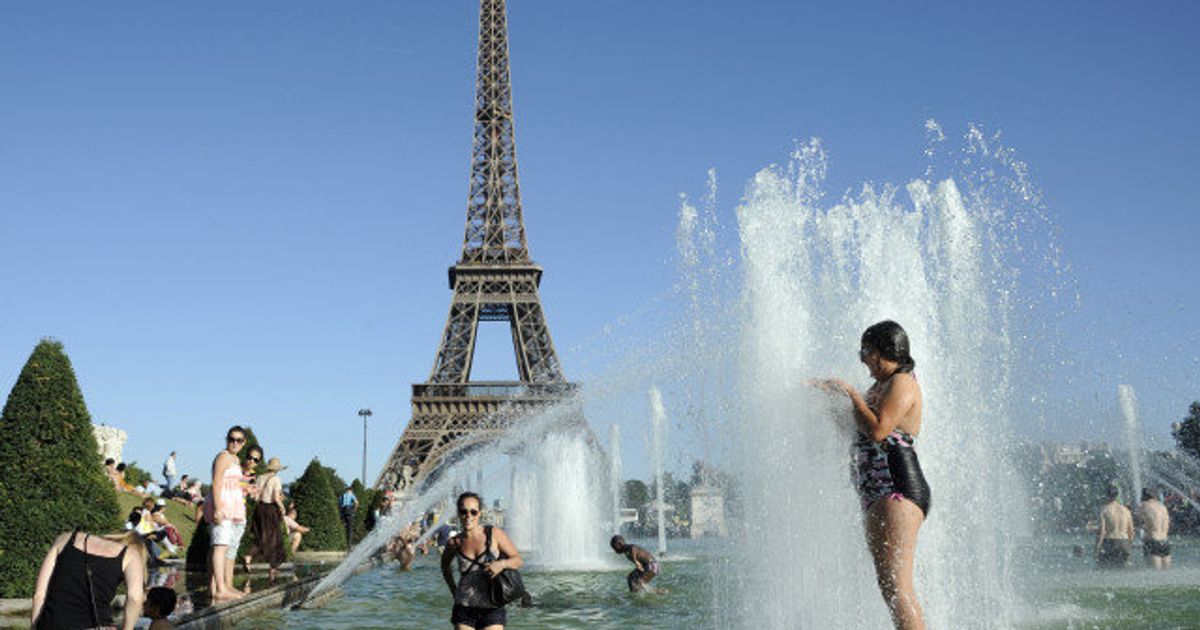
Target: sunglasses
{"x": 468, "y": 512}
{"x": 255, "y": 459}
{"x": 236, "y": 440}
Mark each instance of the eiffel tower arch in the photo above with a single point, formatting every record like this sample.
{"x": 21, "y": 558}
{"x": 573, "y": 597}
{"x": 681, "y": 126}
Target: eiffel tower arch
{"x": 494, "y": 280}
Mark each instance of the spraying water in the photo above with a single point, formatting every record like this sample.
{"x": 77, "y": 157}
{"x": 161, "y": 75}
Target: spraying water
{"x": 561, "y": 485}
{"x": 813, "y": 278}
{"x": 1133, "y": 436}
{"x": 658, "y": 422}
{"x": 614, "y": 473}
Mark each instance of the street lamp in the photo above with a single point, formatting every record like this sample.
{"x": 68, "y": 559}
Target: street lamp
{"x": 365, "y": 413}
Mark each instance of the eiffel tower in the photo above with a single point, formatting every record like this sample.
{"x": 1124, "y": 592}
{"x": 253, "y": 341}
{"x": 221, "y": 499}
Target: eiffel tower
{"x": 495, "y": 280}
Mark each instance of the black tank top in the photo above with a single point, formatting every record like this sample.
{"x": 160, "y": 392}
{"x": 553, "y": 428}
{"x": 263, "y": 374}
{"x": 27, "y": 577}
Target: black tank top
{"x": 68, "y": 606}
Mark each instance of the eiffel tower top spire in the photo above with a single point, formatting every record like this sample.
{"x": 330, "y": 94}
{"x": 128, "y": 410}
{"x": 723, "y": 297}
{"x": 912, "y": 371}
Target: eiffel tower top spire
{"x": 495, "y": 233}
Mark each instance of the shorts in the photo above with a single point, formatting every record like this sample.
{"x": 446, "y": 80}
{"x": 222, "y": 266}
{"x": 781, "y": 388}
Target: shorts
{"x": 1114, "y": 553}
{"x": 1160, "y": 548}
{"x": 228, "y": 533}
{"x": 478, "y": 617}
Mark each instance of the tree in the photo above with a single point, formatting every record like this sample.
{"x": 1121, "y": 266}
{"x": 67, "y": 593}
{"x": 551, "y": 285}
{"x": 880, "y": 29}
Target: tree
{"x": 51, "y": 476}
{"x": 634, "y": 494}
{"x": 1187, "y": 432}
{"x": 316, "y": 507}
{"x": 366, "y": 504}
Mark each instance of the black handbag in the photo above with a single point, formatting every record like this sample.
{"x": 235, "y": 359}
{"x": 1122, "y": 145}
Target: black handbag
{"x": 507, "y": 587}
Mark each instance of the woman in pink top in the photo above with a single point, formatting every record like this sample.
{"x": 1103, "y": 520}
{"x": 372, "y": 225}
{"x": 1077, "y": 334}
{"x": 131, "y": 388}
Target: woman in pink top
{"x": 228, "y": 516}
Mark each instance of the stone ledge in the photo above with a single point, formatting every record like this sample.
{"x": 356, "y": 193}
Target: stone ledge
{"x": 287, "y": 595}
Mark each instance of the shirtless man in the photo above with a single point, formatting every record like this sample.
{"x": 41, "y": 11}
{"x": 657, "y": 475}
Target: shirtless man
{"x": 1155, "y": 523}
{"x": 645, "y": 566}
{"x": 1115, "y": 537}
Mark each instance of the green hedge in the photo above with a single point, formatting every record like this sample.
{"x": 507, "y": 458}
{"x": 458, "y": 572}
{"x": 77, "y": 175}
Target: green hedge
{"x": 364, "y": 520}
{"x": 51, "y": 476}
{"x": 316, "y": 507}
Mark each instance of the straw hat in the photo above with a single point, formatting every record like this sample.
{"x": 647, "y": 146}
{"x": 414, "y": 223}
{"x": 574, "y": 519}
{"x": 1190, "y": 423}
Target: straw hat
{"x": 273, "y": 465}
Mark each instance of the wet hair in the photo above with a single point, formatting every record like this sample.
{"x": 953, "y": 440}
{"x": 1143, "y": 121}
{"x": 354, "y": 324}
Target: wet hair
{"x": 237, "y": 428}
{"x": 617, "y": 542}
{"x": 163, "y": 599}
{"x": 110, "y": 461}
{"x": 121, "y": 467}
{"x": 1148, "y": 494}
{"x": 468, "y": 495}
{"x": 891, "y": 342}
{"x": 1112, "y": 492}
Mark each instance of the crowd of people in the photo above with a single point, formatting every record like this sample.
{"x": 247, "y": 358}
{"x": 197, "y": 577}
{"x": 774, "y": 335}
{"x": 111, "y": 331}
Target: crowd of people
{"x": 82, "y": 571}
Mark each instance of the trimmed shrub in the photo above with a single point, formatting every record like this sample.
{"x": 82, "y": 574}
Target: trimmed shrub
{"x": 366, "y": 506}
{"x": 316, "y": 507}
{"x": 51, "y": 476}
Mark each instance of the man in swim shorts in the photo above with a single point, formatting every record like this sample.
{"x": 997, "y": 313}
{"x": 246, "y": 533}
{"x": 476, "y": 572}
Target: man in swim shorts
{"x": 1156, "y": 522}
{"x": 645, "y": 566}
{"x": 1115, "y": 537}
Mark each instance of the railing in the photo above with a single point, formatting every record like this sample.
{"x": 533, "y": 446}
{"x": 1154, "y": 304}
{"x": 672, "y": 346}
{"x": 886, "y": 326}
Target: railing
{"x": 493, "y": 389}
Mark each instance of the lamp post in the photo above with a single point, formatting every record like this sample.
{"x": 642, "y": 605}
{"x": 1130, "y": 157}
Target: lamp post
{"x": 365, "y": 413}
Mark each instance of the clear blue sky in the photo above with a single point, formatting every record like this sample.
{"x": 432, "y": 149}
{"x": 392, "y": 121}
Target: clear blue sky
{"x": 244, "y": 212}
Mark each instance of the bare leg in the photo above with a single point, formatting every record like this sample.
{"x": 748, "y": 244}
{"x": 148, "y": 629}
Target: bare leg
{"x": 892, "y": 538}
{"x": 229, "y": 564}
{"x": 296, "y": 542}
{"x": 221, "y": 584}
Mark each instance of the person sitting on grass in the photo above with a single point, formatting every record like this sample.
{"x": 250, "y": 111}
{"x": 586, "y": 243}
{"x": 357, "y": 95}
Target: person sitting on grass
{"x": 160, "y": 603}
{"x": 645, "y": 566}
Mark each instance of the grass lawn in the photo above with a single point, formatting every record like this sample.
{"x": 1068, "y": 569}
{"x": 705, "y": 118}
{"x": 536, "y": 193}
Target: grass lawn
{"x": 180, "y": 515}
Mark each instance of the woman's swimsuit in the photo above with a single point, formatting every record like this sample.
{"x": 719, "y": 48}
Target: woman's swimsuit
{"x": 889, "y": 469}
{"x": 473, "y": 605}
{"x": 75, "y": 599}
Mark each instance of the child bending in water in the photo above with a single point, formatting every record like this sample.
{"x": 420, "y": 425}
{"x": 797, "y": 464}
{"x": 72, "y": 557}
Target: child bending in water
{"x": 645, "y": 566}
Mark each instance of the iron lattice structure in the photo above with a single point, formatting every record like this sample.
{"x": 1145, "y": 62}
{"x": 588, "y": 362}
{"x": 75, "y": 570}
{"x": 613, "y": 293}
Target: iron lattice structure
{"x": 495, "y": 280}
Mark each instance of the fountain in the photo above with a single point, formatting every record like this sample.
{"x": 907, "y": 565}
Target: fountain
{"x": 1127, "y": 399}
{"x": 813, "y": 279}
{"x": 804, "y": 278}
{"x": 614, "y": 474}
{"x": 556, "y": 482}
{"x": 658, "y": 421}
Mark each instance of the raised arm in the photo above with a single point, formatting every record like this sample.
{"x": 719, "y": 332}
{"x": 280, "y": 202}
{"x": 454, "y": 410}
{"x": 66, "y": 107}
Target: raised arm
{"x": 43, "y": 579}
{"x": 447, "y": 569}
{"x": 510, "y": 558}
{"x": 897, "y": 400}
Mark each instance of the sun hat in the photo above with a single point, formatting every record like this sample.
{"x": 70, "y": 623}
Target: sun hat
{"x": 274, "y": 465}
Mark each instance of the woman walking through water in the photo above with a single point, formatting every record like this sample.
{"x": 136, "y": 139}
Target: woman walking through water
{"x": 482, "y": 553}
{"x": 895, "y": 496}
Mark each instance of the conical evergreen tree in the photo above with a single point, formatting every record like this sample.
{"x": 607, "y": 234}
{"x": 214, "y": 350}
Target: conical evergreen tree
{"x": 51, "y": 475}
{"x": 316, "y": 507}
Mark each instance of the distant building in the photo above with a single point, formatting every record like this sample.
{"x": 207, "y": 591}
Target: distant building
{"x": 708, "y": 512}
{"x": 111, "y": 441}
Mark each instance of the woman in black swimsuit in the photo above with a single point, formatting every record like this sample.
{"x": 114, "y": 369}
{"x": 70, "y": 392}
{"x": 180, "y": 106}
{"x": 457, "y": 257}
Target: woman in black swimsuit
{"x": 482, "y": 553}
{"x": 80, "y": 576}
{"x": 893, "y": 490}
